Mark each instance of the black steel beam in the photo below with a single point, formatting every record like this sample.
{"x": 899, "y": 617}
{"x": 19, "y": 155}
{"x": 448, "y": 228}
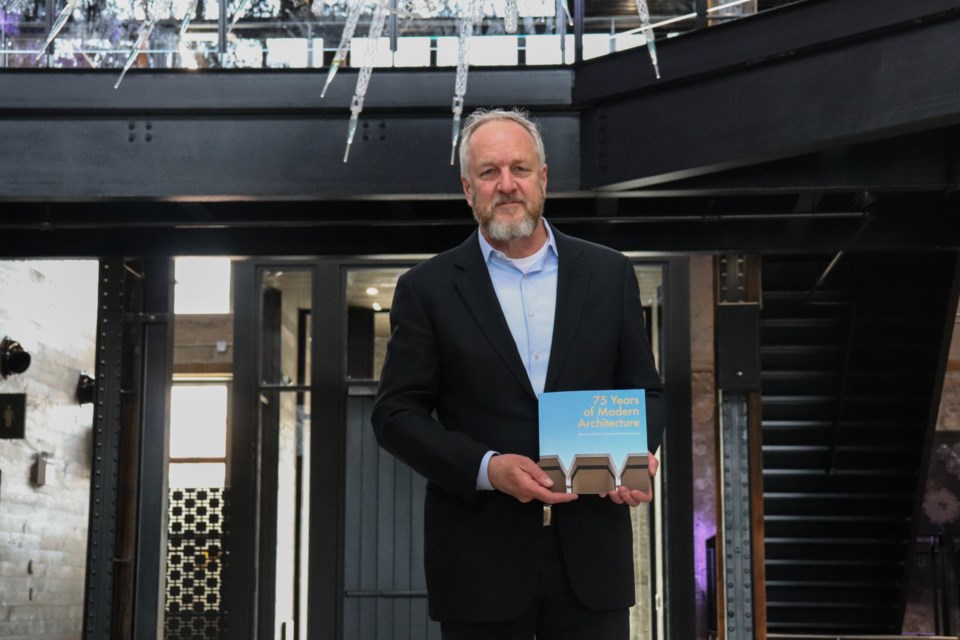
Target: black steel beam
{"x": 913, "y": 223}
{"x": 890, "y": 82}
{"x": 246, "y": 157}
{"x": 784, "y": 32}
{"x": 923, "y": 162}
{"x": 866, "y": 69}
{"x": 275, "y": 91}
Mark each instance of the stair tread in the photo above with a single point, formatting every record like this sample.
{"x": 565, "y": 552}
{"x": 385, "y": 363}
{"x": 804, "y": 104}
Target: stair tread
{"x": 790, "y": 630}
{"x": 864, "y": 448}
{"x": 852, "y": 424}
{"x": 833, "y": 604}
{"x": 841, "y": 472}
{"x": 833, "y": 373}
{"x": 876, "y": 519}
{"x": 766, "y": 320}
{"x": 836, "y": 541}
{"x": 836, "y": 496}
{"x": 820, "y": 397}
{"x": 791, "y": 348}
{"x": 834, "y": 584}
{"x": 799, "y": 373}
{"x": 804, "y": 562}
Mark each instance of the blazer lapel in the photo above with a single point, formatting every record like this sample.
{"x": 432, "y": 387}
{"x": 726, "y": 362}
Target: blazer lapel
{"x": 573, "y": 282}
{"x": 472, "y": 281}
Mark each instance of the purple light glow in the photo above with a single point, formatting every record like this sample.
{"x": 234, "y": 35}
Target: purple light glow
{"x": 9, "y": 22}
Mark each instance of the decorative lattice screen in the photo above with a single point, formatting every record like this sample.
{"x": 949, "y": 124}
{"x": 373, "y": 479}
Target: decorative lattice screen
{"x": 194, "y": 564}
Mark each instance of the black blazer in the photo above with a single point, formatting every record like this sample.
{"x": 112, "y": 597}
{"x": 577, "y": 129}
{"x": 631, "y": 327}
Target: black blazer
{"x": 451, "y": 352}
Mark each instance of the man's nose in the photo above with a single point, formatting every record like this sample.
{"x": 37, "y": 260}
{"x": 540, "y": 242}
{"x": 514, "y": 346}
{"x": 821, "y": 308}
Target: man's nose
{"x": 507, "y": 182}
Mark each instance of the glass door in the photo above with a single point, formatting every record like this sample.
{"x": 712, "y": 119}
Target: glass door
{"x": 384, "y": 588}
{"x": 384, "y": 585}
{"x": 284, "y": 461}
{"x": 269, "y": 481}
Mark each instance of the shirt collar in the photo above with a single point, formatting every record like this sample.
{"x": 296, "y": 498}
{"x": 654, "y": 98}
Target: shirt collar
{"x": 487, "y": 250}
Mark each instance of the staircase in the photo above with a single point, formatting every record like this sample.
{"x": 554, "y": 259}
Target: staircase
{"x": 850, "y": 371}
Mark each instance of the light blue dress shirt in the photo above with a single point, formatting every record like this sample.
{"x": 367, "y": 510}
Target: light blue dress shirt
{"x": 527, "y": 291}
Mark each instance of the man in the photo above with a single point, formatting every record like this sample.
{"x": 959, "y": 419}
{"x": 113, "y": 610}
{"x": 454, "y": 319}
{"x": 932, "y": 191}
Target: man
{"x": 478, "y": 333}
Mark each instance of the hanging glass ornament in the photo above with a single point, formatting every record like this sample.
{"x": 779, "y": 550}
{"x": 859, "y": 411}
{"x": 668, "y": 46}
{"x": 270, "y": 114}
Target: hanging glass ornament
{"x": 340, "y": 57}
{"x": 421, "y": 9}
{"x": 566, "y": 12}
{"x": 58, "y": 25}
{"x": 241, "y": 10}
{"x": 363, "y": 79}
{"x": 510, "y": 17}
{"x": 470, "y": 15}
{"x": 648, "y": 34}
{"x": 187, "y": 17}
{"x": 145, "y": 30}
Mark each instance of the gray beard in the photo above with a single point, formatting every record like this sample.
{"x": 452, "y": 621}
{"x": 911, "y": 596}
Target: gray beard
{"x": 504, "y": 231}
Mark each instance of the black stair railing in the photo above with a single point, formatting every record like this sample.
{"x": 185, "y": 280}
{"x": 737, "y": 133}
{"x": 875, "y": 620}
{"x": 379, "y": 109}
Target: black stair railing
{"x": 851, "y": 313}
{"x": 849, "y": 310}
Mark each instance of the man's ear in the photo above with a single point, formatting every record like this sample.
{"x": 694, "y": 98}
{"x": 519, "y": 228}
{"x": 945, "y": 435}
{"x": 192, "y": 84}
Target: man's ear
{"x": 467, "y": 189}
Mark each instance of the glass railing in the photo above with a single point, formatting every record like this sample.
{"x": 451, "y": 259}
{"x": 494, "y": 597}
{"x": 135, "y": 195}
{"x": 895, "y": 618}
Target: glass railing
{"x": 304, "y": 34}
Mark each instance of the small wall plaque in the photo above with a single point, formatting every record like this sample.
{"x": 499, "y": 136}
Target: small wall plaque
{"x": 13, "y": 415}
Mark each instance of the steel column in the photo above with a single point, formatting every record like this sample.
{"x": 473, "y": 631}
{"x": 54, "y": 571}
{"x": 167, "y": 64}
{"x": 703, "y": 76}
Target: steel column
{"x": 735, "y": 516}
{"x": 327, "y": 452}
{"x": 156, "y": 378}
{"x": 743, "y": 603}
{"x": 241, "y": 496}
{"x": 680, "y": 589}
{"x": 106, "y": 447}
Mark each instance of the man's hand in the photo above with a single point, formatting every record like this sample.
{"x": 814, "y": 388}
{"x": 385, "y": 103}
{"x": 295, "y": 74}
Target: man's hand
{"x": 522, "y": 478}
{"x": 632, "y": 497}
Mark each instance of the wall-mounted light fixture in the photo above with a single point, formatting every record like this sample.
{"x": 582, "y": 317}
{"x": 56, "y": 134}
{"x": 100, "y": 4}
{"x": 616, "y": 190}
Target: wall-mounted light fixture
{"x": 39, "y": 472}
{"x": 86, "y": 388}
{"x": 13, "y": 358}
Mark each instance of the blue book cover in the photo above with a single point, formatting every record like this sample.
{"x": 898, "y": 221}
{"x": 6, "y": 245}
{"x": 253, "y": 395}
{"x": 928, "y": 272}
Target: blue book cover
{"x": 594, "y": 441}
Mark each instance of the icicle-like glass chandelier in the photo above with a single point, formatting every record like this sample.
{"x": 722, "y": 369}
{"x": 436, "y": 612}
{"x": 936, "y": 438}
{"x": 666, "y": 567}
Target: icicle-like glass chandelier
{"x": 123, "y": 34}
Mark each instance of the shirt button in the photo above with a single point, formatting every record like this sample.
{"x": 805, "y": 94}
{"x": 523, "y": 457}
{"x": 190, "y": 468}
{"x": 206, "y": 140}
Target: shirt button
{"x": 536, "y": 356}
{"x": 532, "y": 314}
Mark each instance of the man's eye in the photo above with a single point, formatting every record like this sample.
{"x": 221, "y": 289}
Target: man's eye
{"x": 521, "y": 170}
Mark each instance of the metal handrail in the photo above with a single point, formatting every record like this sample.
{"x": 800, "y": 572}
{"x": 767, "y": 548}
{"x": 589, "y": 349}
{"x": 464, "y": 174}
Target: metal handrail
{"x": 842, "y": 386}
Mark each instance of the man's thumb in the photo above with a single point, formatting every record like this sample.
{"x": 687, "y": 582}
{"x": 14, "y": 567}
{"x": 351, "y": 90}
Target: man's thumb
{"x": 539, "y": 475}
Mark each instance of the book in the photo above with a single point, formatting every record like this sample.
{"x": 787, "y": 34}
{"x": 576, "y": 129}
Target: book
{"x": 594, "y": 441}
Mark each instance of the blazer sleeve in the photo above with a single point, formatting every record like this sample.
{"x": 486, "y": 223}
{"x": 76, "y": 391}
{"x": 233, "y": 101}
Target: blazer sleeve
{"x": 403, "y": 415}
{"x": 636, "y": 368}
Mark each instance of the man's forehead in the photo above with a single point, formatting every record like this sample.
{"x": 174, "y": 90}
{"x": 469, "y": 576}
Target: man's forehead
{"x": 502, "y": 126}
{"x": 509, "y": 136}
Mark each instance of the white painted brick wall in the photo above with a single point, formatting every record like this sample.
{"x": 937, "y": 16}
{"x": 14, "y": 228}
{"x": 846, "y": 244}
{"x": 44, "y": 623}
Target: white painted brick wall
{"x": 50, "y": 307}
